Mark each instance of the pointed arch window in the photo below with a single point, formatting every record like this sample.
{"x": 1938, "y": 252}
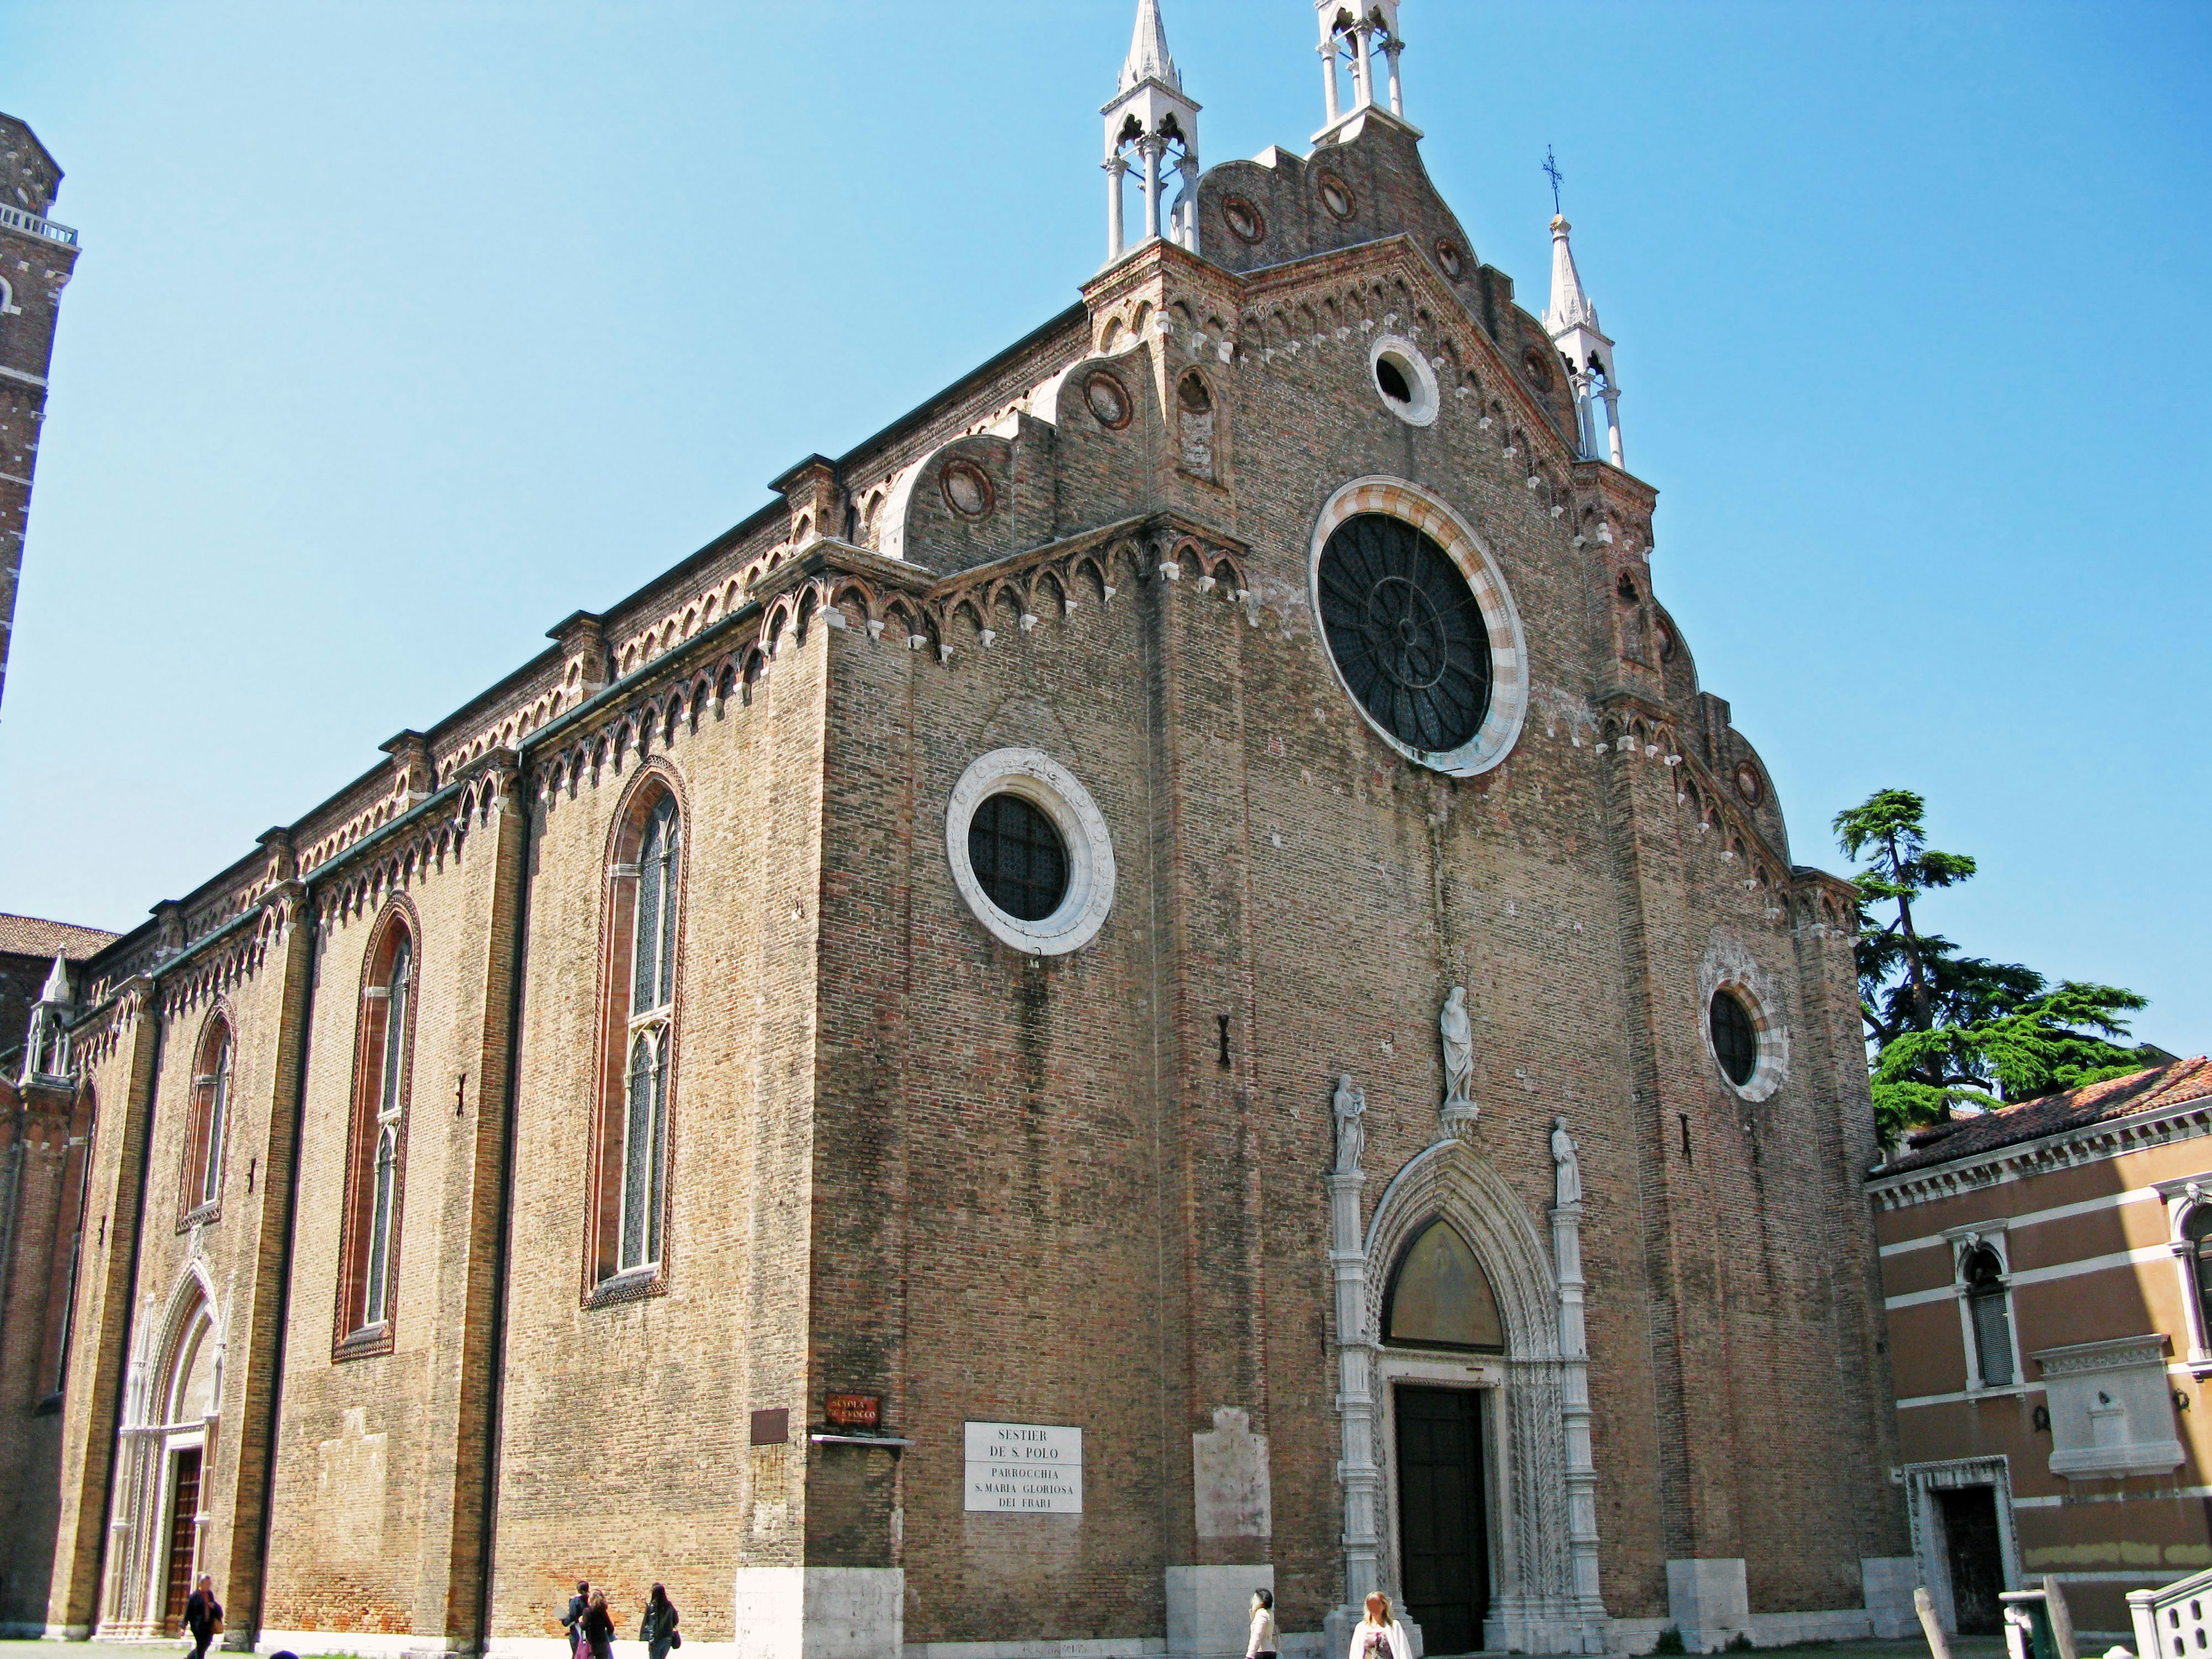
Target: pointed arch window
{"x": 377, "y": 1148}
{"x": 631, "y": 1168}
{"x": 1440, "y": 1297}
{"x": 201, "y": 1200}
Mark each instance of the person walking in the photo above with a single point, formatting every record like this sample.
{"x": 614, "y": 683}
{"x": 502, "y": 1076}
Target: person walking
{"x": 1379, "y": 1636}
{"x": 1262, "y": 1645}
{"x": 202, "y": 1616}
{"x": 573, "y": 1620}
{"x": 599, "y": 1627}
{"x": 658, "y": 1631}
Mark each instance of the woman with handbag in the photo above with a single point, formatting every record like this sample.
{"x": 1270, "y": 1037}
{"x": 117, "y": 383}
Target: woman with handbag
{"x": 599, "y": 1626}
{"x": 658, "y": 1631}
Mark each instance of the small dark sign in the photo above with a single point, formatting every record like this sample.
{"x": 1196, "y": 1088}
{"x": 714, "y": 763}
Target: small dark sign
{"x": 853, "y": 1410}
{"x": 772, "y": 1428}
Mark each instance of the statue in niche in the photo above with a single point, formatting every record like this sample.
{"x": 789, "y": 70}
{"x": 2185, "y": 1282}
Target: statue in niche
{"x": 1350, "y": 1101}
{"x": 1567, "y": 1166}
{"x": 1458, "y": 1032}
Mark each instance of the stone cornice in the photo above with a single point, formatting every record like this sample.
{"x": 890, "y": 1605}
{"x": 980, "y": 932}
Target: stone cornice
{"x": 2089, "y": 1143}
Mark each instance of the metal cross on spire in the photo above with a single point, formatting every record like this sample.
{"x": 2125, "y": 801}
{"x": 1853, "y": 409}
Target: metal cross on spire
{"x": 1552, "y": 168}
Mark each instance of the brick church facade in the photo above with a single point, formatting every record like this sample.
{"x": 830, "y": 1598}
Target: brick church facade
{"x": 1179, "y": 917}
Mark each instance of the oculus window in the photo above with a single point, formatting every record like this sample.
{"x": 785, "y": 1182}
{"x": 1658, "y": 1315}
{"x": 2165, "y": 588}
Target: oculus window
{"x": 1405, "y": 631}
{"x": 1019, "y": 858}
{"x": 1440, "y": 1297}
{"x": 1736, "y": 1039}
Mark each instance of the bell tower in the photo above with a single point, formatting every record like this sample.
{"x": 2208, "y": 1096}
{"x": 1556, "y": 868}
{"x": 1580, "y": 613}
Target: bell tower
{"x": 1353, "y": 34}
{"x": 1151, "y": 128}
{"x": 36, "y": 257}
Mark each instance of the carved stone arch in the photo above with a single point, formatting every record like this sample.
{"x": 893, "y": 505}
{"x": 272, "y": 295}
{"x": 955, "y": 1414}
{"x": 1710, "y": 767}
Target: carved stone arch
{"x": 1544, "y": 1596}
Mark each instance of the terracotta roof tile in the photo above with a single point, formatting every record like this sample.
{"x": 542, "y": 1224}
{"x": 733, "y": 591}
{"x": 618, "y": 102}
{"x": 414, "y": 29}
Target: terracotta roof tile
{"x": 27, "y": 936}
{"x": 2150, "y": 1091}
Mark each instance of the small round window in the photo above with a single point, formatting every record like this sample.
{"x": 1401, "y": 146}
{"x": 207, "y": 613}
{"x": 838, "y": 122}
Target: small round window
{"x": 1019, "y": 859}
{"x": 1029, "y": 852}
{"x": 1736, "y": 1039}
{"x": 1403, "y": 377}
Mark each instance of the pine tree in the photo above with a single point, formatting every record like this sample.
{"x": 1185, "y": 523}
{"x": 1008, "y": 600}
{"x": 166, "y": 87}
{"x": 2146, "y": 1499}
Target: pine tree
{"x": 1943, "y": 1029}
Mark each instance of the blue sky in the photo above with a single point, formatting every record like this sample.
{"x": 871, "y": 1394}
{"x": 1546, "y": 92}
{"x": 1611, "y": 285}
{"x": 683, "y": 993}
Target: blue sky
{"x": 402, "y": 331}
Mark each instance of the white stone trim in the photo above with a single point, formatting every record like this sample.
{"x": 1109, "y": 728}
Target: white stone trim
{"x": 1052, "y": 788}
{"x": 1544, "y": 1548}
{"x": 1922, "y": 1481}
{"x": 2068, "y": 1149}
{"x": 1729, "y": 965}
{"x": 1413, "y": 363}
{"x": 2038, "y": 1217}
{"x": 1436, "y": 519}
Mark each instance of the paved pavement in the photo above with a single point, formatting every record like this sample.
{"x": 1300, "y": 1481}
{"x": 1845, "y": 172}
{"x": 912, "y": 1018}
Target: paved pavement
{"x": 1967, "y": 1647}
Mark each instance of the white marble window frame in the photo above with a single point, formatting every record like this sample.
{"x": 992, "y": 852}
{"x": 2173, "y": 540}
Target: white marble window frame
{"x": 1963, "y": 1240}
{"x": 1413, "y": 363}
{"x": 1037, "y": 778}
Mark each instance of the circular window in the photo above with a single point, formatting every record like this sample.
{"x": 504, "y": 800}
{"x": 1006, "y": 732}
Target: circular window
{"x": 1029, "y": 852}
{"x": 1538, "y": 369}
{"x": 1418, "y": 626}
{"x": 1109, "y": 399}
{"x": 1245, "y": 222}
{"x": 1019, "y": 859}
{"x": 1748, "y": 783}
{"x": 1736, "y": 1038}
{"x": 1402, "y": 375}
{"x": 1336, "y": 194}
{"x": 1449, "y": 258}
{"x": 967, "y": 489}
{"x": 1405, "y": 632}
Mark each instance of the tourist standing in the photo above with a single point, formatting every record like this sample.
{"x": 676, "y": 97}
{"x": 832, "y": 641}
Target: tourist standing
{"x": 202, "y": 1616}
{"x": 1379, "y": 1636}
{"x": 573, "y": 1620}
{"x": 657, "y": 1632}
{"x": 1262, "y": 1645}
{"x": 599, "y": 1627}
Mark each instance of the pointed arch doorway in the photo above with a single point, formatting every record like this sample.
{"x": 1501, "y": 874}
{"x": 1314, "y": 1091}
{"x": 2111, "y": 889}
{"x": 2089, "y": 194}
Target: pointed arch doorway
{"x": 1439, "y": 1301}
{"x": 158, "y": 1523}
{"x": 1472, "y": 1502}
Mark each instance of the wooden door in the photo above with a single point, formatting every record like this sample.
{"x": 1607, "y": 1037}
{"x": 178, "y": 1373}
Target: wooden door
{"x": 183, "y": 1506}
{"x": 1976, "y": 1558}
{"x": 1444, "y": 1544}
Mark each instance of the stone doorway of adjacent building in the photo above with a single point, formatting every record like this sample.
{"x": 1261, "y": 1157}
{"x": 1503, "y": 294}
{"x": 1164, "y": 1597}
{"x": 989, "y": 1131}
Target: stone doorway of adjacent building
{"x": 1443, "y": 1540}
{"x": 1974, "y": 1553}
{"x": 184, "y": 1535}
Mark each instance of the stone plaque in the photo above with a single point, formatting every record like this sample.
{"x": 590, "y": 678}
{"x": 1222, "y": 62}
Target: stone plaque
{"x": 1024, "y": 1468}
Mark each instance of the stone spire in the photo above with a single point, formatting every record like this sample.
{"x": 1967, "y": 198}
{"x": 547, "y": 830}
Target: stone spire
{"x": 1571, "y": 321}
{"x": 1149, "y": 57}
{"x": 1152, "y": 126}
{"x": 45, "y": 1052}
{"x": 1570, "y": 306}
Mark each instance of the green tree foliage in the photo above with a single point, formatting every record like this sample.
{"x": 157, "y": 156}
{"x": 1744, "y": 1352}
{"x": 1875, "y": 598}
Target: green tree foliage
{"x": 1945, "y": 1029}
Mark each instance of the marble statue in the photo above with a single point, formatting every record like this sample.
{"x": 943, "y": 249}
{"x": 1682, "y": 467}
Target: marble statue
{"x": 1567, "y": 1165}
{"x": 1458, "y": 1032}
{"x": 1351, "y": 1133}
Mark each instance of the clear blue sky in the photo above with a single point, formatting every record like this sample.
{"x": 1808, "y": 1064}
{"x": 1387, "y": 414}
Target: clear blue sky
{"x": 402, "y": 331}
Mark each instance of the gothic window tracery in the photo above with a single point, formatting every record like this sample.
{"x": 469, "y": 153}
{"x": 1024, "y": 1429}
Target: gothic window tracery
{"x": 376, "y": 1151}
{"x": 210, "y": 1109}
{"x": 631, "y": 1202}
